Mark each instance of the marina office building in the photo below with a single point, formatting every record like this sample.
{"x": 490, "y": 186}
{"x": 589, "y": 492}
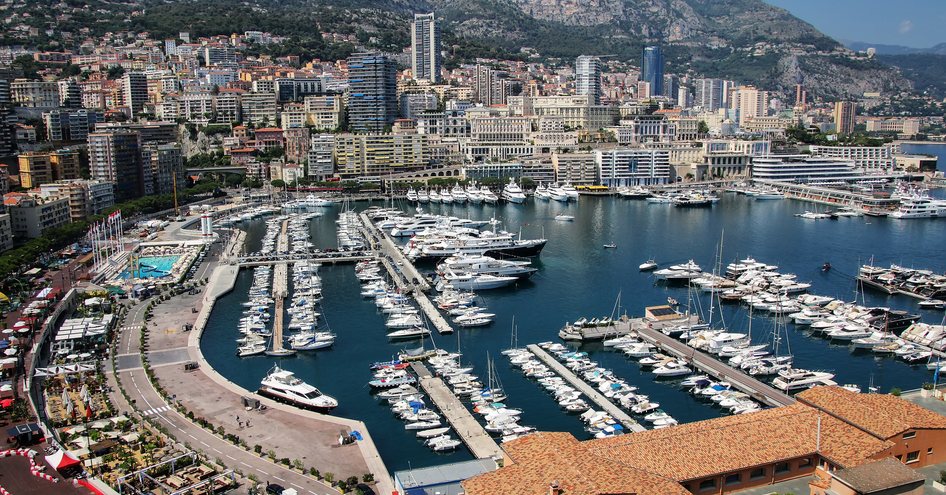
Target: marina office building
{"x": 828, "y": 431}
{"x": 804, "y": 169}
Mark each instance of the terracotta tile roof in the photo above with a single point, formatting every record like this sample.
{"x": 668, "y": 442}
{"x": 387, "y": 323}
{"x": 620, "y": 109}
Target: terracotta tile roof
{"x": 732, "y": 443}
{"x": 845, "y": 428}
{"x": 879, "y": 476}
{"x": 543, "y": 458}
{"x": 879, "y": 414}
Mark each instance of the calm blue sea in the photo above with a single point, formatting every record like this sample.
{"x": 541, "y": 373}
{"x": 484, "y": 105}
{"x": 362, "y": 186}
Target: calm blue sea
{"x": 938, "y": 149}
{"x": 577, "y": 278}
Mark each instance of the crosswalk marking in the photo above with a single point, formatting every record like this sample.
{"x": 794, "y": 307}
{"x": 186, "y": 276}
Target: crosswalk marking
{"x": 156, "y": 410}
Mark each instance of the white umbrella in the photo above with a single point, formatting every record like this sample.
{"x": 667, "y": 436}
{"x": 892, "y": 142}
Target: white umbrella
{"x": 21, "y": 324}
{"x": 84, "y": 392}
{"x": 10, "y": 352}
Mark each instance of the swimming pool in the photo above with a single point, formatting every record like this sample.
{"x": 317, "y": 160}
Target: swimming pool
{"x": 152, "y": 267}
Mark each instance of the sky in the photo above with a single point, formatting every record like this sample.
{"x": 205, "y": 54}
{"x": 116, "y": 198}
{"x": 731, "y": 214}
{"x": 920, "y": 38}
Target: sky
{"x": 913, "y": 23}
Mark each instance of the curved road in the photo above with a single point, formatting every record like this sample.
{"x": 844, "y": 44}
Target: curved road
{"x": 149, "y": 403}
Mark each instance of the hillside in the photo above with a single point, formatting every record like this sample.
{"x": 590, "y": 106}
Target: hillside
{"x": 927, "y": 71}
{"x": 744, "y": 40}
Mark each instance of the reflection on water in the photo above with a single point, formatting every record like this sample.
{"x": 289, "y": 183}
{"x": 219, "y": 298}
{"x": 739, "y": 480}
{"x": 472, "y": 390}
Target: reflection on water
{"x": 577, "y": 278}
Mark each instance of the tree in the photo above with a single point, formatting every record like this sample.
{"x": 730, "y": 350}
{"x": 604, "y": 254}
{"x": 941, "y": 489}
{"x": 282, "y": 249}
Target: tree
{"x": 115, "y": 72}
{"x": 278, "y": 183}
{"x": 70, "y": 70}
{"x": 27, "y": 65}
{"x": 234, "y": 180}
{"x": 702, "y": 129}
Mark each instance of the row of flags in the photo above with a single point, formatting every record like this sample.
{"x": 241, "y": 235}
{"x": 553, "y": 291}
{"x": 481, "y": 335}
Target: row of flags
{"x": 105, "y": 238}
{"x": 84, "y": 396}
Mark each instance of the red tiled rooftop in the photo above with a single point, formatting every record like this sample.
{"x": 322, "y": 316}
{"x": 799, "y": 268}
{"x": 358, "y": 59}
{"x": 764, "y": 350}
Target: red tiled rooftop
{"x": 543, "y": 458}
{"x": 881, "y": 415}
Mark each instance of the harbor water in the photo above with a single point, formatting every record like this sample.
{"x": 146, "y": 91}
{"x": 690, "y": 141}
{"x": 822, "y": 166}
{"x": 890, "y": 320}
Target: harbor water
{"x": 577, "y": 278}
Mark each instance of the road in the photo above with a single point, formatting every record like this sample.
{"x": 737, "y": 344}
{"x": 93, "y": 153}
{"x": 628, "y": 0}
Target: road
{"x": 150, "y": 404}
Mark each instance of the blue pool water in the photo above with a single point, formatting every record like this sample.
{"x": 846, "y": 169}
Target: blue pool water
{"x": 153, "y": 267}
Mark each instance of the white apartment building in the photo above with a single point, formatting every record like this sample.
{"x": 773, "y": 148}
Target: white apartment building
{"x": 633, "y": 167}
{"x": 86, "y": 197}
{"x": 31, "y": 216}
{"x": 259, "y": 108}
{"x": 644, "y": 129}
{"x": 227, "y": 107}
{"x": 499, "y": 138}
{"x": 358, "y": 155}
{"x": 576, "y": 111}
{"x": 870, "y": 159}
{"x": 34, "y": 94}
{"x": 452, "y": 123}
{"x": 321, "y": 157}
{"x": 749, "y": 101}
{"x": 576, "y": 168}
{"x": 899, "y": 126}
{"x": 323, "y": 111}
{"x": 197, "y": 106}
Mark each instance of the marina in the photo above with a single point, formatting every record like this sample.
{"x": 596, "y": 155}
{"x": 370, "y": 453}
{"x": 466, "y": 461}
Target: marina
{"x": 481, "y": 445}
{"x": 576, "y": 277}
{"x": 756, "y": 389}
{"x": 586, "y": 389}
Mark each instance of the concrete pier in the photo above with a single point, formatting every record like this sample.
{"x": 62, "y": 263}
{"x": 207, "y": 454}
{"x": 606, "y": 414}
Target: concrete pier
{"x": 461, "y": 420}
{"x": 280, "y": 287}
{"x": 756, "y": 389}
{"x": 603, "y": 402}
{"x": 404, "y": 275}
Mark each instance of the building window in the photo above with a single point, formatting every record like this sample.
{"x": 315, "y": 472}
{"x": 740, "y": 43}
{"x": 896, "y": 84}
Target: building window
{"x": 708, "y": 484}
{"x": 757, "y": 473}
{"x": 913, "y": 456}
{"x": 929, "y": 451}
{"x": 909, "y": 434}
{"x": 804, "y": 463}
{"x": 782, "y": 467}
{"x": 733, "y": 479}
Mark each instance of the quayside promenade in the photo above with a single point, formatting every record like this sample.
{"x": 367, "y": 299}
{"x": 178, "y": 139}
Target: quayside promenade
{"x": 281, "y": 431}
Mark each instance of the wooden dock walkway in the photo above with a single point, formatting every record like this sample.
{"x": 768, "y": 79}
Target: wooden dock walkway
{"x": 609, "y": 407}
{"x": 756, "y": 389}
{"x": 469, "y": 430}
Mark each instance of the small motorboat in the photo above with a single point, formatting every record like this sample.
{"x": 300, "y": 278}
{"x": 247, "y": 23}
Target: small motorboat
{"x": 932, "y": 304}
{"x": 436, "y": 432}
{"x": 564, "y": 218}
{"x": 610, "y": 246}
{"x": 826, "y": 267}
{"x": 647, "y": 266}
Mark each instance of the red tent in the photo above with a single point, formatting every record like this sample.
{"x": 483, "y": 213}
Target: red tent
{"x": 62, "y": 460}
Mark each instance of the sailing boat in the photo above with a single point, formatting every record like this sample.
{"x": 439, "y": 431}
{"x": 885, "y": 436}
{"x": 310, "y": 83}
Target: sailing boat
{"x": 492, "y": 395}
{"x": 513, "y": 340}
